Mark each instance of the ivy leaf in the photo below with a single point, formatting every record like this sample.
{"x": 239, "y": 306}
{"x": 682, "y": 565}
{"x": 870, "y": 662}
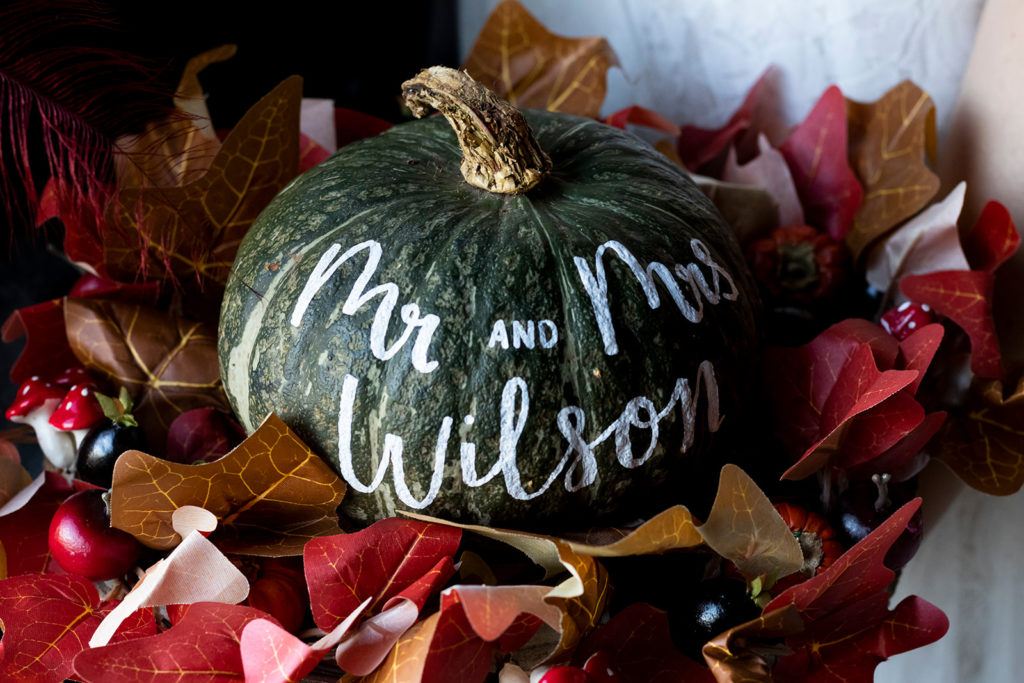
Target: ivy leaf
{"x": 699, "y": 146}
{"x": 845, "y": 613}
{"x": 768, "y": 170}
{"x": 983, "y": 443}
{"x": 639, "y": 647}
{"x": 205, "y": 643}
{"x": 202, "y": 435}
{"x": 929, "y": 241}
{"x": 46, "y": 349}
{"x": 993, "y": 239}
{"x": 189, "y": 234}
{"x": 641, "y": 116}
{"x": 270, "y": 495}
{"x": 519, "y": 59}
{"x": 816, "y": 154}
{"x": 47, "y": 620}
{"x": 965, "y": 297}
{"x": 889, "y": 142}
{"x": 744, "y": 527}
{"x": 168, "y": 364}
{"x": 395, "y": 565}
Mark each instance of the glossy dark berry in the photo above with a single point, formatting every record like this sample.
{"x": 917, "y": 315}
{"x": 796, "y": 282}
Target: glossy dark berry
{"x": 100, "y": 449}
{"x": 711, "y": 608}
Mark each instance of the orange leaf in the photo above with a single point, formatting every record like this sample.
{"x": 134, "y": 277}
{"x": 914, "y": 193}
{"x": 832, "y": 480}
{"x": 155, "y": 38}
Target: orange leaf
{"x": 670, "y": 529}
{"x": 984, "y": 443}
{"x": 271, "y": 494}
{"x": 732, "y": 656}
{"x": 744, "y": 527}
{"x": 518, "y": 58}
{"x": 168, "y": 364}
{"x": 889, "y": 140}
{"x": 189, "y": 234}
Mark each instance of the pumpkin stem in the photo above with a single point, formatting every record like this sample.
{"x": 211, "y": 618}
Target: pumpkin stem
{"x": 499, "y": 152}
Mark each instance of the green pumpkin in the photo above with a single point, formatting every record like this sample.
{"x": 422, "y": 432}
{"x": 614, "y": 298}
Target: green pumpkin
{"x": 542, "y": 356}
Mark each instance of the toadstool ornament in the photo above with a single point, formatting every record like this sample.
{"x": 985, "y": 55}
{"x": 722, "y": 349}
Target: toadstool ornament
{"x": 77, "y": 412}
{"x": 521, "y": 318}
{"x": 35, "y": 402}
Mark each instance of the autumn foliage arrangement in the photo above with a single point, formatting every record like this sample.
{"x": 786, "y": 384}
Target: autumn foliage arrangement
{"x": 880, "y": 354}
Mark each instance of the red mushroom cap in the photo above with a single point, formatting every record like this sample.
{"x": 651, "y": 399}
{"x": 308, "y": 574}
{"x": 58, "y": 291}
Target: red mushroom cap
{"x": 73, "y": 375}
{"x": 33, "y": 393}
{"x": 79, "y": 409}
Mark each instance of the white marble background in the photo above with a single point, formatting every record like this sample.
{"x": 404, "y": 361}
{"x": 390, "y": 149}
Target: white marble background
{"x": 693, "y": 61}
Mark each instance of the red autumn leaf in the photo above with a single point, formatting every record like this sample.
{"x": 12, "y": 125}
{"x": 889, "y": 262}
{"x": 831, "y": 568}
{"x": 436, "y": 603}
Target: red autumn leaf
{"x": 877, "y": 430}
{"x": 697, "y": 146}
{"x": 816, "y": 154}
{"x": 23, "y": 532}
{"x": 859, "y": 387}
{"x": 799, "y": 380}
{"x": 846, "y": 615}
{"x": 352, "y": 125}
{"x": 202, "y": 435}
{"x": 641, "y": 116}
{"x": 905, "y": 458}
{"x": 640, "y": 649}
{"x": 204, "y": 645}
{"x": 965, "y": 297}
{"x": 391, "y": 558}
{"x": 46, "y": 349}
{"x": 918, "y": 350}
{"x": 310, "y": 153}
{"x": 993, "y": 239}
{"x": 47, "y": 621}
{"x": 81, "y": 229}
{"x": 94, "y": 287}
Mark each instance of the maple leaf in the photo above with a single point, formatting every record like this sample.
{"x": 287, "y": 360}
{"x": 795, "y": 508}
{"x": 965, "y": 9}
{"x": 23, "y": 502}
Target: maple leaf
{"x": 396, "y": 564}
{"x": 768, "y": 170}
{"x": 204, "y": 644}
{"x": 983, "y": 442}
{"x": 46, "y": 349}
{"x": 270, "y": 495}
{"x": 519, "y": 59}
{"x": 846, "y": 615}
{"x": 965, "y": 297}
{"x": 189, "y": 234}
{"x": 639, "y": 647}
{"x": 168, "y": 364}
{"x": 929, "y": 241}
{"x": 993, "y": 239}
{"x": 745, "y": 528}
{"x": 47, "y": 620}
{"x": 641, "y": 116}
{"x": 816, "y": 154}
{"x": 697, "y": 147}
{"x": 889, "y": 142}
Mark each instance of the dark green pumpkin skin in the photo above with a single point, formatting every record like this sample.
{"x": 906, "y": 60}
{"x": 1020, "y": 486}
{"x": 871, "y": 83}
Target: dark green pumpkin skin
{"x": 472, "y": 258}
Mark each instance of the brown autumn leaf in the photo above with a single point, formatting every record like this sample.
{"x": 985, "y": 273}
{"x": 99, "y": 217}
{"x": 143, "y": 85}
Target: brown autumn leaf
{"x": 888, "y": 143}
{"x": 670, "y": 529}
{"x": 744, "y": 527}
{"x": 737, "y": 655}
{"x": 271, "y": 495}
{"x": 189, "y": 234}
{"x": 179, "y": 149}
{"x": 13, "y": 477}
{"x": 518, "y": 58}
{"x": 984, "y": 443}
{"x": 168, "y": 364}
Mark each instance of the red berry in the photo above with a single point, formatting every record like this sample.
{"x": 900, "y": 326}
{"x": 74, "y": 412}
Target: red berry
{"x": 83, "y": 542}
{"x": 566, "y": 674}
{"x": 599, "y": 666}
{"x": 906, "y": 319}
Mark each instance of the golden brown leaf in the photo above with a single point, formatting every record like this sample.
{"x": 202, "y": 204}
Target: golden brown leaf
{"x": 408, "y": 657}
{"x": 518, "y": 58}
{"x": 745, "y": 528}
{"x": 189, "y": 234}
{"x": 670, "y": 529}
{"x": 581, "y": 597}
{"x": 736, "y": 656}
{"x": 13, "y": 477}
{"x": 168, "y": 364}
{"x": 888, "y": 142}
{"x": 271, "y": 494}
{"x": 984, "y": 444}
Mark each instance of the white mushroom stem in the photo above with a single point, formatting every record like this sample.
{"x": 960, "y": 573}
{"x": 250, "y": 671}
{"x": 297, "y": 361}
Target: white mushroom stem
{"x": 58, "y": 446}
{"x": 78, "y": 435}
